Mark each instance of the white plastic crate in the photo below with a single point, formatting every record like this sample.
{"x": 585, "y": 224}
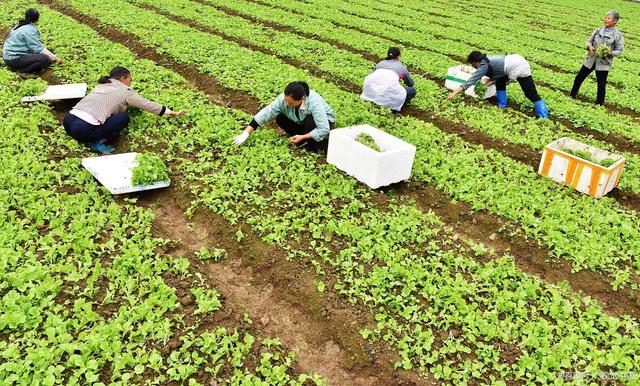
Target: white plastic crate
{"x": 114, "y": 172}
{"x": 63, "y": 91}
{"x": 457, "y": 75}
{"x": 375, "y": 169}
{"x": 584, "y": 176}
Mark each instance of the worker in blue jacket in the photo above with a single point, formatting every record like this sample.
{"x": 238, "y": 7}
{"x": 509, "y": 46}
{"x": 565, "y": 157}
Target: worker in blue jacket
{"x": 502, "y": 70}
{"x": 23, "y": 51}
{"x": 302, "y": 113}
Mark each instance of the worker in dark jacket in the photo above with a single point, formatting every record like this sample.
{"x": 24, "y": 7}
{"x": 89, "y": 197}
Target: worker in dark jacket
{"x": 100, "y": 116}
{"x": 383, "y": 87}
{"x": 302, "y": 113}
{"x": 23, "y": 51}
{"x": 502, "y": 70}
{"x": 611, "y": 42}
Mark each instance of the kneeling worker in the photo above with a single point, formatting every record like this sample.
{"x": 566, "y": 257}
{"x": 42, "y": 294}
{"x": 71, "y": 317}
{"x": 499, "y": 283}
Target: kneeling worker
{"x": 23, "y": 51}
{"x": 383, "y": 87}
{"x": 302, "y": 113}
{"x": 100, "y": 116}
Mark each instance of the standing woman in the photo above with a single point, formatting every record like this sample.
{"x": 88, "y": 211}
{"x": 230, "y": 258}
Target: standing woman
{"x": 502, "y": 70}
{"x": 601, "y": 59}
{"x": 23, "y": 51}
{"x": 302, "y": 113}
{"x": 100, "y": 116}
{"x": 383, "y": 87}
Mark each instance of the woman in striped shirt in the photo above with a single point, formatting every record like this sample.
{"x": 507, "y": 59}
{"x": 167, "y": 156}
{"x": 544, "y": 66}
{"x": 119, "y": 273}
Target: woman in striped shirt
{"x": 100, "y": 116}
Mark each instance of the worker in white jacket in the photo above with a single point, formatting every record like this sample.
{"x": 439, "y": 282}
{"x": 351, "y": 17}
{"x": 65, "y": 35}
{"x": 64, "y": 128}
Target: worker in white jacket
{"x": 383, "y": 87}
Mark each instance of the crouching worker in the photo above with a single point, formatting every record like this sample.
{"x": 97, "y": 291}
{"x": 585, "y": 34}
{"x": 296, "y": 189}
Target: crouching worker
{"x": 383, "y": 87}
{"x": 302, "y": 113}
{"x": 23, "y": 51}
{"x": 502, "y": 70}
{"x": 100, "y": 116}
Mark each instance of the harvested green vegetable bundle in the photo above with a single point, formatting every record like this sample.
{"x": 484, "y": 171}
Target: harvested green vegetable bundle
{"x": 150, "y": 169}
{"x": 585, "y": 155}
{"x": 603, "y": 51}
{"x": 480, "y": 90}
{"x": 33, "y": 87}
{"x": 607, "y": 162}
{"x": 368, "y": 140}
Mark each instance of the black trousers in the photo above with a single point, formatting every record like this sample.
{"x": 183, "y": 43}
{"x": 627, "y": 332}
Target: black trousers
{"x": 292, "y": 128}
{"x": 601, "y": 78}
{"x": 526, "y": 84}
{"x": 29, "y": 63}
{"x": 85, "y": 132}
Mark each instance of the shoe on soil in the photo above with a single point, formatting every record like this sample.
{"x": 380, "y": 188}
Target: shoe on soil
{"x": 26, "y": 75}
{"x": 101, "y": 147}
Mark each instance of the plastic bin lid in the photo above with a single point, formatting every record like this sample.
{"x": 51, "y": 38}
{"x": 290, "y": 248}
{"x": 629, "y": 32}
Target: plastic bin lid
{"x": 63, "y": 91}
{"x": 114, "y": 172}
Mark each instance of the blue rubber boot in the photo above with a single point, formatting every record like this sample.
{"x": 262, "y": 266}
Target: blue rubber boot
{"x": 101, "y": 147}
{"x": 501, "y": 96}
{"x": 541, "y": 109}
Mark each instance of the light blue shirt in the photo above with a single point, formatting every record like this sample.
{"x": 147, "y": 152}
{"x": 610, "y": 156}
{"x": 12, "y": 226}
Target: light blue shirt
{"x": 22, "y": 41}
{"x": 313, "y": 105}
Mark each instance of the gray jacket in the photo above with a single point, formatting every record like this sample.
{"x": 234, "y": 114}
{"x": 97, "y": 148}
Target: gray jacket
{"x": 493, "y": 67}
{"x": 612, "y": 38}
{"x": 397, "y": 67}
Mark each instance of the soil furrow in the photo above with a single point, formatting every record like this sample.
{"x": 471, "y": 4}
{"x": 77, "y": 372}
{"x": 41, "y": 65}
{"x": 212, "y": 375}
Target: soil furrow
{"x": 257, "y": 280}
{"x": 280, "y": 297}
{"x": 621, "y": 143}
{"x": 458, "y": 215}
{"x": 474, "y": 136}
{"x": 455, "y": 58}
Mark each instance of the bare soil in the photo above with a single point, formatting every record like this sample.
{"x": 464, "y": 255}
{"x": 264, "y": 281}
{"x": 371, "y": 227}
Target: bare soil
{"x": 280, "y": 297}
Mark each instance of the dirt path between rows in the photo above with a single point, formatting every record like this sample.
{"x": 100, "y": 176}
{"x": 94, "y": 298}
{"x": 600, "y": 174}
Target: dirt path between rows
{"x": 479, "y": 226}
{"x": 621, "y": 143}
{"x": 279, "y": 296}
{"x": 471, "y": 135}
{"x": 458, "y": 59}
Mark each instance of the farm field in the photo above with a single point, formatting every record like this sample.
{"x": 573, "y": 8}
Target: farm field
{"x": 262, "y": 264}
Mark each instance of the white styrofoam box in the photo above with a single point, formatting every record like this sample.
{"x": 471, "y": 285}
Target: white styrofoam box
{"x": 457, "y": 75}
{"x": 114, "y": 172}
{"x": 584, "y": 176}
{"x": 63, "y": 91}
{"x": 375, "y": 169}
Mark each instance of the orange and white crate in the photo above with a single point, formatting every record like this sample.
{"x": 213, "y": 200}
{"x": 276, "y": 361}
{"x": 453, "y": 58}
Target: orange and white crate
{"x": 584, "y": 176}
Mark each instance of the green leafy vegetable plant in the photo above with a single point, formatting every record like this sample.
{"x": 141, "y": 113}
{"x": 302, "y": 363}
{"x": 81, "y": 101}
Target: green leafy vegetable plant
{"x": 603, "y": 51}
{"x": 585, "y": 155}
{"x": 149, "y": 169}
{"x": 368, "y": 140}
{"x": 33, "y": 87}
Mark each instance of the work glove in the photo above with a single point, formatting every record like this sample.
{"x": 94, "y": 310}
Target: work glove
{"x": 239, "y": 140}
